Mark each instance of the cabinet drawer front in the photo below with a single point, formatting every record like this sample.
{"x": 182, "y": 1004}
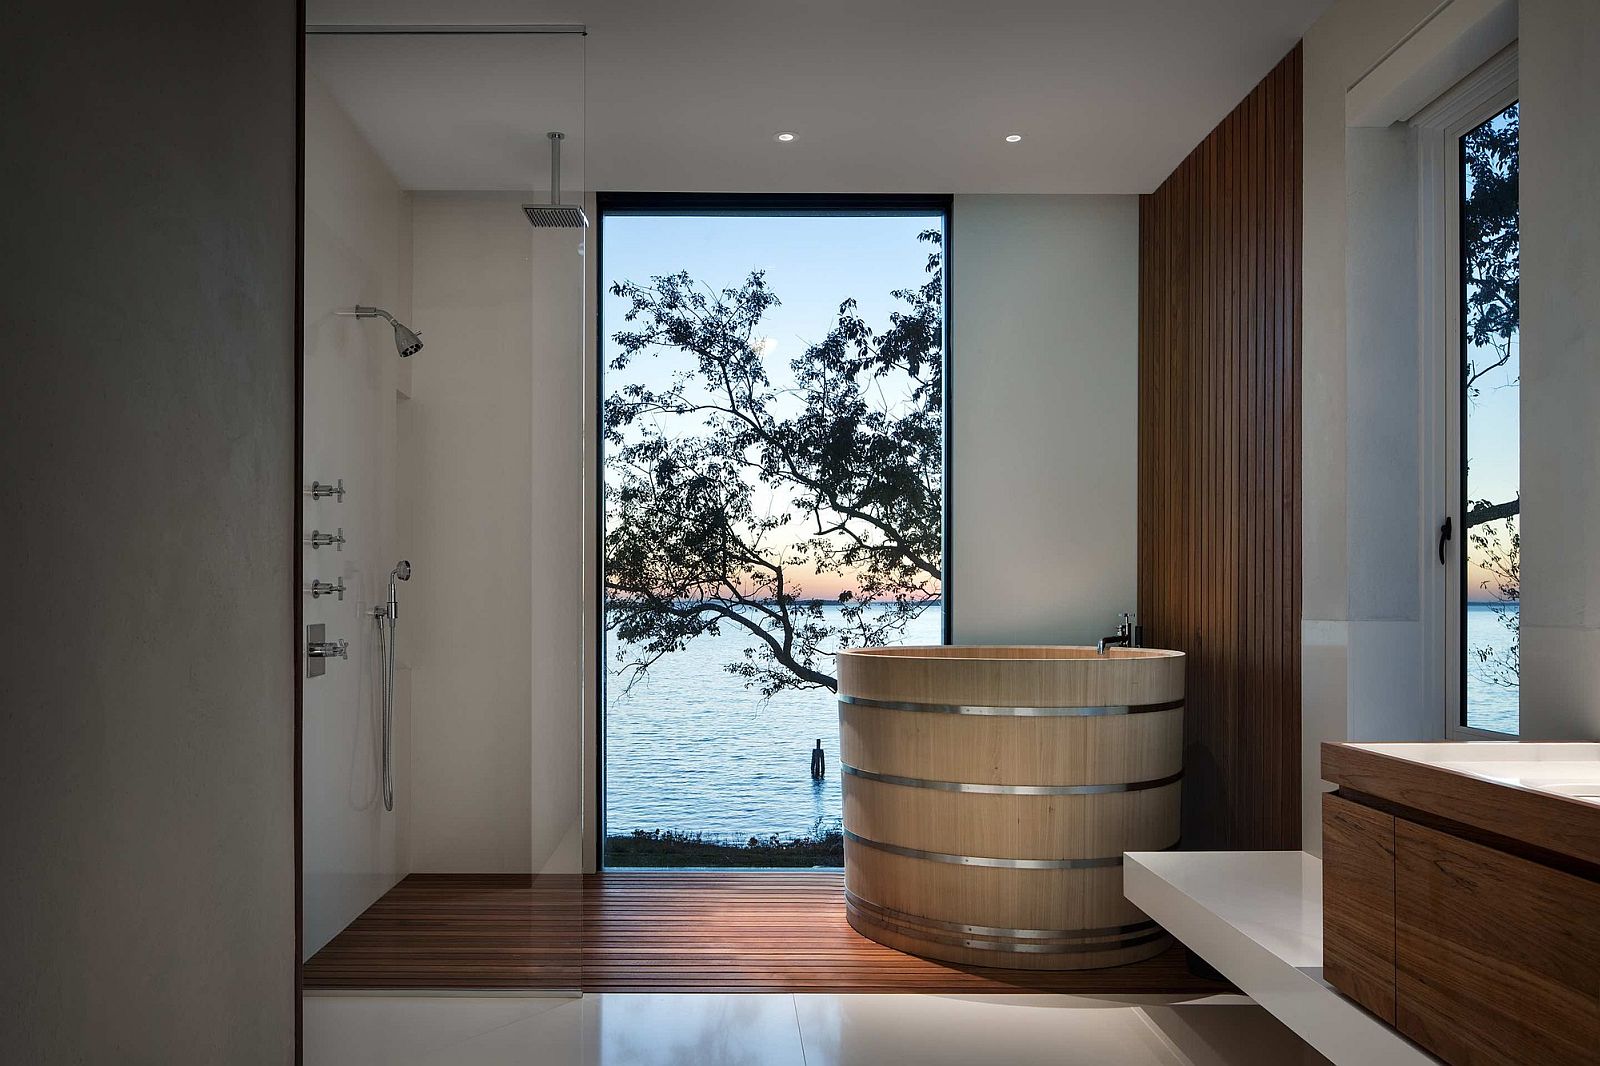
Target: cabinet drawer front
{"x": 1498, "y": 958}
{"x": 1358, "y": 904}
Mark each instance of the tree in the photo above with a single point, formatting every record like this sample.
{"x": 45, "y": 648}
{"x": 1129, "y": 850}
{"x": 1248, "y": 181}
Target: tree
{"x": 726, "y": 485}
{"x": 1491, "y": 238}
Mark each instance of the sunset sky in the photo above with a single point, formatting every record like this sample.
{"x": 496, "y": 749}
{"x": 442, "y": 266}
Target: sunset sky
{"x": 1493, "y": 440}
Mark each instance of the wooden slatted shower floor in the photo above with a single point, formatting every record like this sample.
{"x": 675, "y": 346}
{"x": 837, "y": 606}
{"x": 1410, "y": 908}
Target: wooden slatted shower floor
{"x": 664, "y": 931}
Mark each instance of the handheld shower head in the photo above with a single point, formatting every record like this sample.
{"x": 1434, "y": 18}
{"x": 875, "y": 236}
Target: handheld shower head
{"x": 401, "y": 572}
{"x": 406, "y": 341}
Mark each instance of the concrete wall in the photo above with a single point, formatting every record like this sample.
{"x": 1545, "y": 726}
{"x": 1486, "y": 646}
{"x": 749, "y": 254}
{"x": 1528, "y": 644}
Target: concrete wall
{"x": 1560, "y": 85}
{"x": 147, "y": 421}
{"x": 1045, "y": 378}
{"x": 491, "y": 488}
{"x": 358, "y": 251}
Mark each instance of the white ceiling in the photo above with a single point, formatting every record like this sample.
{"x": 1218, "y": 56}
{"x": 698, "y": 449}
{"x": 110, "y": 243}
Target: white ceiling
{"x": 884, "y": 95}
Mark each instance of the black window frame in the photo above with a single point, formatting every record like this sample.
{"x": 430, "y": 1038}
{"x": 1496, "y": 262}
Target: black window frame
{"x": 831, "y": 205}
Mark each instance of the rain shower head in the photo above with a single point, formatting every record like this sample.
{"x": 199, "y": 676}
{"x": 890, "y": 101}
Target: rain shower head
{"x": 555, "y": 214}
{"x": 406, "y": 342}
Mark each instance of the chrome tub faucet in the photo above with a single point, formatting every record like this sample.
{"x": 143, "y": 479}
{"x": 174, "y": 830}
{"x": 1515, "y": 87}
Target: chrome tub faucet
{"x": 1129, "y": 634}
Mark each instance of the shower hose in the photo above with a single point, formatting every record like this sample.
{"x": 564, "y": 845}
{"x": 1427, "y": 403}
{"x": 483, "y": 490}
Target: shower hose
{"x": 386, "y": 627}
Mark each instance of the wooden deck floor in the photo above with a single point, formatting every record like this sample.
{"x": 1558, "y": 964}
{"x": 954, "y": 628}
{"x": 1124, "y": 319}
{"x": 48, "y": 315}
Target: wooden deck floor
{"x": 663, "y": 931}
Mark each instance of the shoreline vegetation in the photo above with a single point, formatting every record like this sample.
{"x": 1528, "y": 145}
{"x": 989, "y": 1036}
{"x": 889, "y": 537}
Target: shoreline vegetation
{"x": 645, "y": 848}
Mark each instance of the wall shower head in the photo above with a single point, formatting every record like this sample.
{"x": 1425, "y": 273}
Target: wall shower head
{"x": 406, "y": 342}
{"x": 555, "y": 214}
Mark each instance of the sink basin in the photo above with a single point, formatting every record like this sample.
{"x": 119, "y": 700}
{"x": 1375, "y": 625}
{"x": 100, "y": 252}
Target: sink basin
{"x": 1584, "y": 790}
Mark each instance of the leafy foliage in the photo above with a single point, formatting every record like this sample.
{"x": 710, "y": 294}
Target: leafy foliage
{"x": 1491, "y": 238}
{"x": 726, "y": 483}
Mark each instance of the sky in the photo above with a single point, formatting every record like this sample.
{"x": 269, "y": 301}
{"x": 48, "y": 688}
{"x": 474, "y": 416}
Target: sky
{"x": 1492, "y": 451}
{"x": 812, "y": 263}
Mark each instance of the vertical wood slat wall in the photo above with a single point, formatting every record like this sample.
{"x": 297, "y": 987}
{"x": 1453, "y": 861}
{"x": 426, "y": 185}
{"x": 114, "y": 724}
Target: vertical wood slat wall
{"x": 1219, "y": 461}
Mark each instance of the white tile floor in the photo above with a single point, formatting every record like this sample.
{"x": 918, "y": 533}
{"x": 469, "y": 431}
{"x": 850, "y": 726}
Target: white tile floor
{"x": 609, "y": 1029}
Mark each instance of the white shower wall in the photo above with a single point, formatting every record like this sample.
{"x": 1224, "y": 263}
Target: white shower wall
{"x": 358, "y": 250}
{"x": 491, "y": 504}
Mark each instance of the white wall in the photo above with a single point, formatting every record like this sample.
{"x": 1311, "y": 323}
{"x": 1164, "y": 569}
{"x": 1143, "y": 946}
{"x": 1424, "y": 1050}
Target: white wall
{"x": 147, "y": 419}
{"x": 1045, "y": 378}
{"x": 1560, "y": 166}
{"x": 1366, "y": 539}
{"x": 358, "y": 251}
{"x": 491, "y": 491}
{"x": 1340, "y": 48}
{"x": 1388, "y": 518}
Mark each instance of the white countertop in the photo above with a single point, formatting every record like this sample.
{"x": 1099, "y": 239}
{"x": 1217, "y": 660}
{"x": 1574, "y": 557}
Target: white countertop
{"x": 1257, "y": 917}
{"x": 1571, "y": 770}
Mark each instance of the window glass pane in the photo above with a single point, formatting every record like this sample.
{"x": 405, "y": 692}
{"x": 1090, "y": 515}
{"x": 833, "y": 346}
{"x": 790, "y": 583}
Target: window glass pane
{"x": 1490, "y": 274}
{"x": 773, "y": 394}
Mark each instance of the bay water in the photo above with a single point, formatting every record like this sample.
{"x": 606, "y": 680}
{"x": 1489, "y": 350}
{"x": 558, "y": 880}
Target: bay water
{"x": 691, "y": 749}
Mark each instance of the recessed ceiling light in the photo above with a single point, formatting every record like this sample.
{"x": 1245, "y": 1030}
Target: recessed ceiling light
{"x": 785, "y": 137}
{"x": 1013, "y": 138}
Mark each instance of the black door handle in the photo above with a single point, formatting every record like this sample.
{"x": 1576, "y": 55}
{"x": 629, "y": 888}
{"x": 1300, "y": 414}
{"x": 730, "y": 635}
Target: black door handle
{"x": 1444, "y": 536}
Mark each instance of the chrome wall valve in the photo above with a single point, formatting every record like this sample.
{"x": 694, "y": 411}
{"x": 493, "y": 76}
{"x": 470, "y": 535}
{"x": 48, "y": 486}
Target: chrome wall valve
{"x": 328, "y": 649}
{"x": 319, "y": 649}
{"x": 328, "y": 588}
{"x": 336, "y": 490}
{"x": 320, "y": 539}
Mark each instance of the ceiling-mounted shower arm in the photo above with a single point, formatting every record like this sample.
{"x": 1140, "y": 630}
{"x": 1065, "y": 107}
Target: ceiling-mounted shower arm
{"x": 555, "y": 166}
{"x": 555, "y": 214}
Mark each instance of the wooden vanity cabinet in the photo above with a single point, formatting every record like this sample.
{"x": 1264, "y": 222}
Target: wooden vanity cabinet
{"x": 1497, "y": 959}
{"x": 1475, "y": 952}
{"x": 1358, "y": 903}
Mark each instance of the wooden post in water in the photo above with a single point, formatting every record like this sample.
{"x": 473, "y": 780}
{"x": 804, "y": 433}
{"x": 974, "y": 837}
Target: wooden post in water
{"x": 819, "y": 762}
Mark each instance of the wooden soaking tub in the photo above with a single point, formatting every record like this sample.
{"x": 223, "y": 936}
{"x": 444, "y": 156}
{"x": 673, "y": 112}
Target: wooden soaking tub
{"x": 989, "y": 793}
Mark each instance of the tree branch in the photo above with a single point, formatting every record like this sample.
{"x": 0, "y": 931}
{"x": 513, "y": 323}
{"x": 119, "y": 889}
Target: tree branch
{"x": 1477, "y": 516}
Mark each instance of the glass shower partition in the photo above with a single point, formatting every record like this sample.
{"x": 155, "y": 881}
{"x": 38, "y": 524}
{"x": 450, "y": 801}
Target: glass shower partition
{"x": 463, "y": 458}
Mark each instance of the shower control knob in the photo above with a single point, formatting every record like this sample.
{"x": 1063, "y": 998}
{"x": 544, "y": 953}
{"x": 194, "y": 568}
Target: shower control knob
{"x": 328, "y": 649}
{"x": 328, "y": 588}
{"x": 336, "y": 490}
{"x": 320, "y": 539}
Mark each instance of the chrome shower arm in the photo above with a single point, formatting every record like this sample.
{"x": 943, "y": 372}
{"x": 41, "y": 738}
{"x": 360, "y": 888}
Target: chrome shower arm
{"x": 367, "y": 312}
{"x": 555, "y": 166}
{"x": 406, "y": 340}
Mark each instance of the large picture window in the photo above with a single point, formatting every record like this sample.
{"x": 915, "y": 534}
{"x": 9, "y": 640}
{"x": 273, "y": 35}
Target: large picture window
{"x": 772, "y": 389}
